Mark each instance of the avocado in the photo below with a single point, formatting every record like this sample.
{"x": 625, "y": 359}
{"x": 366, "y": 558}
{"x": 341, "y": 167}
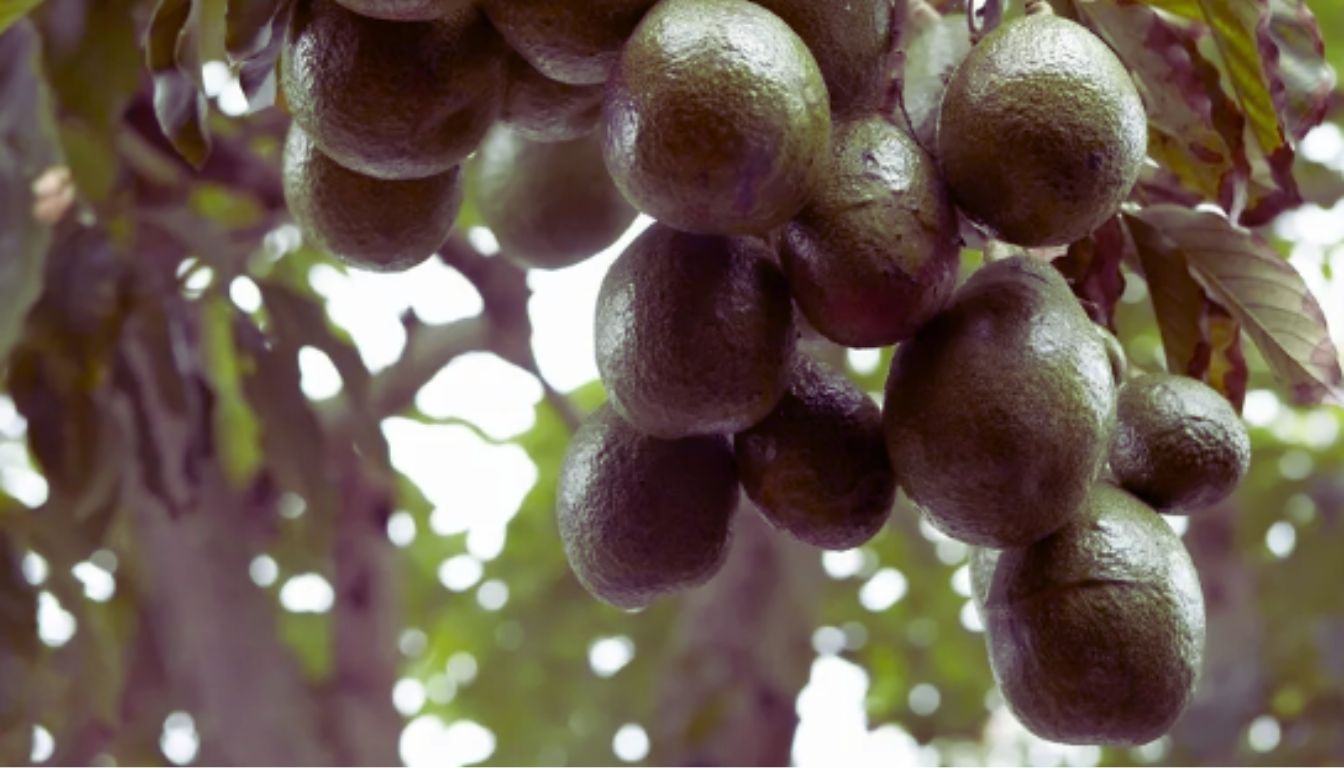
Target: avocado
{"x": 999, "y": 411}
{"x": 641, "y": 517}
{"x": 694, "y": 333}
{"x": 1096, "y": 632}
{"x": 573, "y": 41}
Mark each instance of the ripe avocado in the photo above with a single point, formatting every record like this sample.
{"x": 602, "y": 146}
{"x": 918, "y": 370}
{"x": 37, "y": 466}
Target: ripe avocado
{"x": 573, "y": 41}
{"x": 999, "y": 411}
{"x": 1096, "y": 633}
{"x": 640, "y": 517}
{"x": 694, "y": 333}
{"x": 542, "y": 109}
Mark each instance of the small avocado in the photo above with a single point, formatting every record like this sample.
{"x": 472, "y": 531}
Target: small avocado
{"x": 392, "y": 99}
{"x": 542, "y": 109}
{"x": 1041, "y": 132}
{"x": 817, "y": 466}
{"x": 694, "y": 333}
{"x": 408, "y": 10}
{"x": 384, "y": 225}
{"x": 1179, "y": 445}
{"x": 641, "y": 517}
{"x": 1096, "y": 633}
{"x": 876, "y": 252}
{"x": 573, "y": 41}
{"x": 717, "y": 118}
{"x": 853, "y": 44}
{"x": 549, "y": 205}
{"x": 999, "y": 410}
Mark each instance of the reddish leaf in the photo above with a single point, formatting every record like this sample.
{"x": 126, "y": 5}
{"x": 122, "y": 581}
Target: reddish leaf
{"x": 1092, "y": 267}
{"x": 1176, "y": 298}
{"x": 172, "y": 58}
{"x": 1265, "y": 295}
{"x": 1225, "y": 369}
{"x": 1294, "y": 55}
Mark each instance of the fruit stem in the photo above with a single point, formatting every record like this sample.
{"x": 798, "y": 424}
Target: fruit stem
{"x": 920, "y": 14}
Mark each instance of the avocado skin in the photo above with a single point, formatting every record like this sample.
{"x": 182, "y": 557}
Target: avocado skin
{"x": 875, "y": 253}
{"x": 1179, "y": 444}
{"x": 573, "y": 41}
{"x": 694, "y": 333}
{"x": 817, "y": 466}
{"x": 542, "y": 109}
{"x": 383, "y": 225}
{"x": 716, "y": 119}
{"x": 550, "y": 205}
{"x": 392, "y": 99}
{"x": 999, "y": 411}
{"x": 1041, "y": 132}
{"x": 1096, "y": 633}
{"x": 641, "y": 517}
{"x": 407, "y": 10}
{"x": 852, "y": 42}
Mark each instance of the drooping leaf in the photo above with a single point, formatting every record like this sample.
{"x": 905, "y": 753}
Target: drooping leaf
{"x": 248, "y": 27}
{"x": 179, "y": 103}
{"x": 1265, "y": 295}
{"x": 29, "y": 146}
{"x": 1092, "y": 267}
{"x": 1226, "y": 369}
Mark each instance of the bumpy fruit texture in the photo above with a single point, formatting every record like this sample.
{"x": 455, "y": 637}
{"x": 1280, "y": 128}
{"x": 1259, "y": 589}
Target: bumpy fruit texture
{"x": 641, "y": 517}
{"x": 999, "y": 411}
{"x": 392, "y": 99}
{"x": 694, "y": 333}
{"x": 377, "y": 224}
{"x": 407, "y": 10}
{"x": 573, "y": 41}
{"x": 542, "y": 109}
{"x": 1041, "y": 132}
{"x": 1096, "y": 633}
{"x": 1179, "y": 445}
{"x": 817, "y": 465}
{"x": 550, "y": 205}
{"x": 875, "y": 253}
{"x": 716, "y": 118}
{"x": 852, "y": 43}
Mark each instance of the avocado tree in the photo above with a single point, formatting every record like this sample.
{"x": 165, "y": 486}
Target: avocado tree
{"x": 1055, "y": 243}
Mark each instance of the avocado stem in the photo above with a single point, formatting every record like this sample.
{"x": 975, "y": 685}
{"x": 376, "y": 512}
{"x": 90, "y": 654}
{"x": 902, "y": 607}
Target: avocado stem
{"x": 1039, "y": 8}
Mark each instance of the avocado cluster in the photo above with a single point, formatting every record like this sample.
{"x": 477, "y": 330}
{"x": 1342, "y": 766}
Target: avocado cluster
{"x": 795, "y": 191}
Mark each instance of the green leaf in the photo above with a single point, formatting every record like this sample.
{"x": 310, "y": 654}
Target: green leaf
{"x": 236, "y": 432}
{"x": 13, "y": 10}
{"x": 29, "y": 145}
{"x": 248, "y": 29}
{"x": 1294, "y": 54}
{"x": 1263, "y": 293}
{"x": 1176, "y": 298}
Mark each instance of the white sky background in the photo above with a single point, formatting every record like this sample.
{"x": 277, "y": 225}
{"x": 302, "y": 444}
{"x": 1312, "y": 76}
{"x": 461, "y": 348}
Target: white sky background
{"x": 482, "y": 484}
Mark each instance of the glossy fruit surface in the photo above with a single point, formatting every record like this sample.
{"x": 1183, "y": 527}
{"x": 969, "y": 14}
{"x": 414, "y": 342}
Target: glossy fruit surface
{"x": 694, "y": 333}
{"x": 875, "y": 252}
{"x": 542, "y": 109}
{"x": 378, "y": 224}
{"x": 999, "y": 411}
{"x": 641, "y": 517}
{"x": 1041, "y": 132}
{"x": 1096, "y": 633}
{"x": 716, "y": 119}
{"x": 407, "y": 10}
{"x": 573, "y": 41}
{"x": 392, "y": 99}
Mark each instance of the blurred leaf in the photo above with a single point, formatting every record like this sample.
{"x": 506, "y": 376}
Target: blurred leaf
{"x": 1265, "y": 295}
{"x": 92, "y": 43}
{"x": 28, "y": 146}
{"x": 179, "y": 103}
{"x": 13, "y": 10}
{"x": 1195, "y": 129}
{"x": 236, "y": 432}
{"x": 1092, "y": 267}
